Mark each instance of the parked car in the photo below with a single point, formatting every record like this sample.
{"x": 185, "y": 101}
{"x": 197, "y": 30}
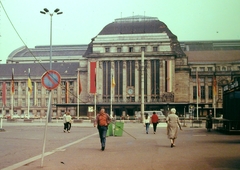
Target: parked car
{"x": 161, "y": 116}
{"x": 16, "y": 116}
{"x": 7, "y": 116}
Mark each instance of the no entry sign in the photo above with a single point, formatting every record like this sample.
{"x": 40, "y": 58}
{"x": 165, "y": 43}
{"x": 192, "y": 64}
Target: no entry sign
{"x": 51, "y": 79}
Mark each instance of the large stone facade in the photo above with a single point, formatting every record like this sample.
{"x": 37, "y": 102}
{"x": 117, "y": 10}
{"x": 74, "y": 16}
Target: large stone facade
{"x": 168, "y": 79}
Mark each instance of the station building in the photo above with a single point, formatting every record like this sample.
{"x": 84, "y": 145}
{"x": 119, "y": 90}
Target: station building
{"x": 168, "y": 76}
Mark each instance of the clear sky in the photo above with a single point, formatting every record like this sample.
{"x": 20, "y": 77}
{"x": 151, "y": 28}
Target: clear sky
{"x": 84, "y": 19}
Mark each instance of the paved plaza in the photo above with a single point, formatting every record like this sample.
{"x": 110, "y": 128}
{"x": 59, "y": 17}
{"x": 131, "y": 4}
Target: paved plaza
{"x": 21, "y": 148}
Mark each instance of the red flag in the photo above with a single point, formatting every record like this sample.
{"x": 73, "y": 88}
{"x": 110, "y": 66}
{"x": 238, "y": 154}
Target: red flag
{"x": 66, "y": 92}
{"x": 79, "y": 84}
{"x": 4, "y": 89}
{"x": 12, "y": 83}
{"x": 93, "y": 77}
{"x": 198, "y": 84}
{"x": 214, "y": 86}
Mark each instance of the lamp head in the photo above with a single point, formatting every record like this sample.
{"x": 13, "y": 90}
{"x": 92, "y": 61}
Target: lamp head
{"x": 56, "y": 10}
{"x": 42, "y": 12}
{"x": 46, "y": 10}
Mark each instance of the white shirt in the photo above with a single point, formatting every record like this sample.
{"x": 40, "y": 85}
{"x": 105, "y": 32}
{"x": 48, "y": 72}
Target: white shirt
{"x": 147, "y": 120}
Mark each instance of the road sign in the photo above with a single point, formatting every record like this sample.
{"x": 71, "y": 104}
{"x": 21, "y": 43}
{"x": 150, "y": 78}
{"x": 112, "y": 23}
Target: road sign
{"x": 51, "y": 79}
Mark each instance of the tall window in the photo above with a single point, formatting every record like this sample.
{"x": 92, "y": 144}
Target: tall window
{"x": 15, "y": 102}
{"x": 39, "y": 102}
{"x": 54, "y": 100}
{"x": 23, "y": 102}
{"x": 130, "y": 49}
{"x": 210, "y": 80}
{"x": 210, "y": 92}
{"x": 23, "y": 84}
{"x": 107, "y": 50}
{"x": 39, "y": 84}
{"x": 63, "y": 91}
{"x": 55, "y": 91}
{"x": 202, "y": 92}
{"x": 46, "y": 102}
{"x": 194, "y": 69}
{"x": 118, "y": 77}
{"x": 143, "y": 48}
{"x": 210, "y": 69}
{"x": 155, "y": 49}
{"x": 31, "y": 102}
{"x": 194, "y": 92}
{"x": 39, "y": 92}
{"x": 155, "y": 76}
{"x": 130, "y": 73}
{"x": 106, "y": 79}
{"x": 119, "y": 49}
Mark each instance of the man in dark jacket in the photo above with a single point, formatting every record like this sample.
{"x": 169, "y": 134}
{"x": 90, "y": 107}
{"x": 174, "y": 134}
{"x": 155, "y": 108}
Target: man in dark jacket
{"x": 154, "y": 120}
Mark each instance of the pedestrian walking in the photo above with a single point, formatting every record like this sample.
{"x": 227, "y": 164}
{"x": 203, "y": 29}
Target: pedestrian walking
{"x": 209, "y": 121}
{"x": 147, "y": 122}
{"x": 154, "y": 120}
{"x": 64, "y": 123}
{"x": 102, "y": 121}
{"x": 68, "y": 121}
{"x": 172, "y": 126}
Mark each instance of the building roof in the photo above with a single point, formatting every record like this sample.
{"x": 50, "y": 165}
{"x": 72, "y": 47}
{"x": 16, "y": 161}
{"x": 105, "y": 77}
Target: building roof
{"x": 213, "y": 56}
{"x": 21, "y": 70}
{"x": 44, "y": 51}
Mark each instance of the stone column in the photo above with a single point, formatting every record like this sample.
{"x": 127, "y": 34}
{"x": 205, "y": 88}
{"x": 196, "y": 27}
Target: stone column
{"x": 136, "y": 81}
{"x": 112, "y": 74}
{"x": 162, "y": 77}
{"x": 148, "y": 81}
{"x": 124, "y": 81}
{"x": 99, "y": 77}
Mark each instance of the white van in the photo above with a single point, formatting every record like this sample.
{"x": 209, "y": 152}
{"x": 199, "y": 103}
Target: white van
{"x": 161, "y": 116}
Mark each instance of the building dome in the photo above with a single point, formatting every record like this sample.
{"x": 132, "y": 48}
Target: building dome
{"x": 136, "y": 25}
{"x": 139, "y": 25}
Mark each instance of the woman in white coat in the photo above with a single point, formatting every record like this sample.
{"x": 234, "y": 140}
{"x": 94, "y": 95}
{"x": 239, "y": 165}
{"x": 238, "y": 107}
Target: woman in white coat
{"x": 172, "y": 126}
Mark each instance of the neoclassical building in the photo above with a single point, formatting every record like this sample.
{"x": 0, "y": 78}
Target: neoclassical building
{"x": 149, "y": 66}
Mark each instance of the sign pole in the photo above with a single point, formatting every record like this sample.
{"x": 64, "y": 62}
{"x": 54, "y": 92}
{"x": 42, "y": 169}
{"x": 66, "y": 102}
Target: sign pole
{"x": 46, "y": 124}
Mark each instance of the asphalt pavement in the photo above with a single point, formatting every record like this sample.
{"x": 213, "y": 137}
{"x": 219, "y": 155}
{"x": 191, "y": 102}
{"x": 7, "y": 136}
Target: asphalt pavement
{"x": 22, "y": 148}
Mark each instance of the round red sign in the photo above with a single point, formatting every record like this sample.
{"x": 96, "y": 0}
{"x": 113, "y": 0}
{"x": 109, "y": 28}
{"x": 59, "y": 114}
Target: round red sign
{"x": 51, "y": 79}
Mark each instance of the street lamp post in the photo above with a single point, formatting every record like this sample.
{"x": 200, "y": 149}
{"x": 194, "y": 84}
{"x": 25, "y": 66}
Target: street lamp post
{"x": 46, "y": 11}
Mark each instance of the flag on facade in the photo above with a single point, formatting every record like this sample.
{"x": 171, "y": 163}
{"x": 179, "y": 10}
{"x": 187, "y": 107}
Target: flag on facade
{"x": 12, "y": 82}
{"x": 198, "y": 85}
{"x": 79, "y": 84}
{"x": 66, "y": 92}
{"x": 214, "y": 86}
{"x": 29, "y": 82}
{"x": 93, "y": 82}
{"x": 113, "y": 82}
{"x": 34, "y": 93}
{"x": 4, "y": 90}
